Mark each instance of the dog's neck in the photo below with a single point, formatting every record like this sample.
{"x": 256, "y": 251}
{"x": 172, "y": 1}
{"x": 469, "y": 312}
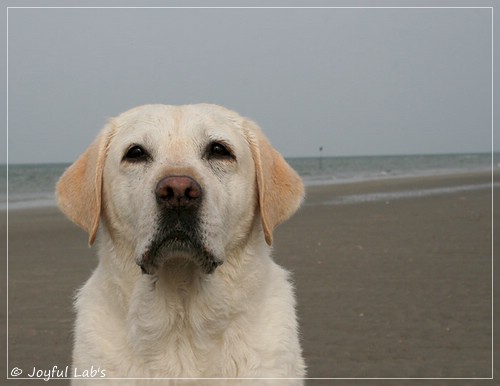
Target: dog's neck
{"x": 180, "y": 294}
{"x": 181, "y": 280}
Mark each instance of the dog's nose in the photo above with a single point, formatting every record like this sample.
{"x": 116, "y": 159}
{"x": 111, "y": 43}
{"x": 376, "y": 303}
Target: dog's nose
{"x": 178, "y": 192}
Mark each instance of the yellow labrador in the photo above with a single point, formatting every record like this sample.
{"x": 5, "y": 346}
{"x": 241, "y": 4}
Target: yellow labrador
{"x": 183, "y": 201}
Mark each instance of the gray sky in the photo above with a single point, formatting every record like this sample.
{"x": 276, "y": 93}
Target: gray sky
{"x": 355, "y": 81}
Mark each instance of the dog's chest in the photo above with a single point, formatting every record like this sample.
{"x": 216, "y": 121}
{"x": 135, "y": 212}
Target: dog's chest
{"x": 181, "y": 333}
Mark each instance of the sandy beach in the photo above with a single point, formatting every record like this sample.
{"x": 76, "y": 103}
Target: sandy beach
{"x": 388, "y": 285}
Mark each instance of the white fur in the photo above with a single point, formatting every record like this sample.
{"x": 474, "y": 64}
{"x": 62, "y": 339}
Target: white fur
{"x": 238, "y": 322}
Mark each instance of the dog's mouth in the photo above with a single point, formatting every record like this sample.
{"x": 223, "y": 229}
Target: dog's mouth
{"x": 180, "y": 244}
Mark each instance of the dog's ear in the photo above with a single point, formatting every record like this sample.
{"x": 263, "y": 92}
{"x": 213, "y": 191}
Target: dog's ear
{"x": 79, "y": 189}
{"x": 280, "y": 189}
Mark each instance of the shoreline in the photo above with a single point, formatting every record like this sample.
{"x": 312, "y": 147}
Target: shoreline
{"x": 457, "y": 181}
{"x": 403, "y": 181}
{"x": 389, "y": 177}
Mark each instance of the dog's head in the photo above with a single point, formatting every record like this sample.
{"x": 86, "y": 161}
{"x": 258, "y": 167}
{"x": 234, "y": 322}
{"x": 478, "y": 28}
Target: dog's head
{"x": 188, "y": 181}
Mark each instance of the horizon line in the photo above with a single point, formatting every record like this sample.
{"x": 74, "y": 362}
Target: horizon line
{"x": 495, "y": 152}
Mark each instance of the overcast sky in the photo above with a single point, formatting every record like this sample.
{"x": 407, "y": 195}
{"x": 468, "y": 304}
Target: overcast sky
{"x": 354, "y": 81}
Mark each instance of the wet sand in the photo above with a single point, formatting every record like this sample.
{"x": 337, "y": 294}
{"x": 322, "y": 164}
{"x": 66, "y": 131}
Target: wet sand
{"x": 396, "y": 288}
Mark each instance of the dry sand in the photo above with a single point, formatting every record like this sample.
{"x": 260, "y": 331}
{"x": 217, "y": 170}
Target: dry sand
{"x": 387, "y": 288}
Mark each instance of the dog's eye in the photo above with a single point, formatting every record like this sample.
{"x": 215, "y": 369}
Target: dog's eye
{"x": 136, "y": 154}
{"x": 218, "y": 150}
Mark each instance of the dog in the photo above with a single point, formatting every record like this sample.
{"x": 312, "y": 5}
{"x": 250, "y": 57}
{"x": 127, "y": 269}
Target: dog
{"x": 182, "y": 202}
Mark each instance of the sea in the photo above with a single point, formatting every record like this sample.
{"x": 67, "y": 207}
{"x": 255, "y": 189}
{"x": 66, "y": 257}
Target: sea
{"x": 32, "y": 185}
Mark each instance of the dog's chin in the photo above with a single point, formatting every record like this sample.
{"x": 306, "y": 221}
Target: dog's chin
{"x": 177, "y": 252}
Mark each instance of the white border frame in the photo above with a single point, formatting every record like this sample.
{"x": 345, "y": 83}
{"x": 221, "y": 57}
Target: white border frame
{"x": 9, "y": 370}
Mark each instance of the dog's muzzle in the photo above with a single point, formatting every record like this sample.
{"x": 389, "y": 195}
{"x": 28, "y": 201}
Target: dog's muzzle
{"x": 179, "y": 200}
